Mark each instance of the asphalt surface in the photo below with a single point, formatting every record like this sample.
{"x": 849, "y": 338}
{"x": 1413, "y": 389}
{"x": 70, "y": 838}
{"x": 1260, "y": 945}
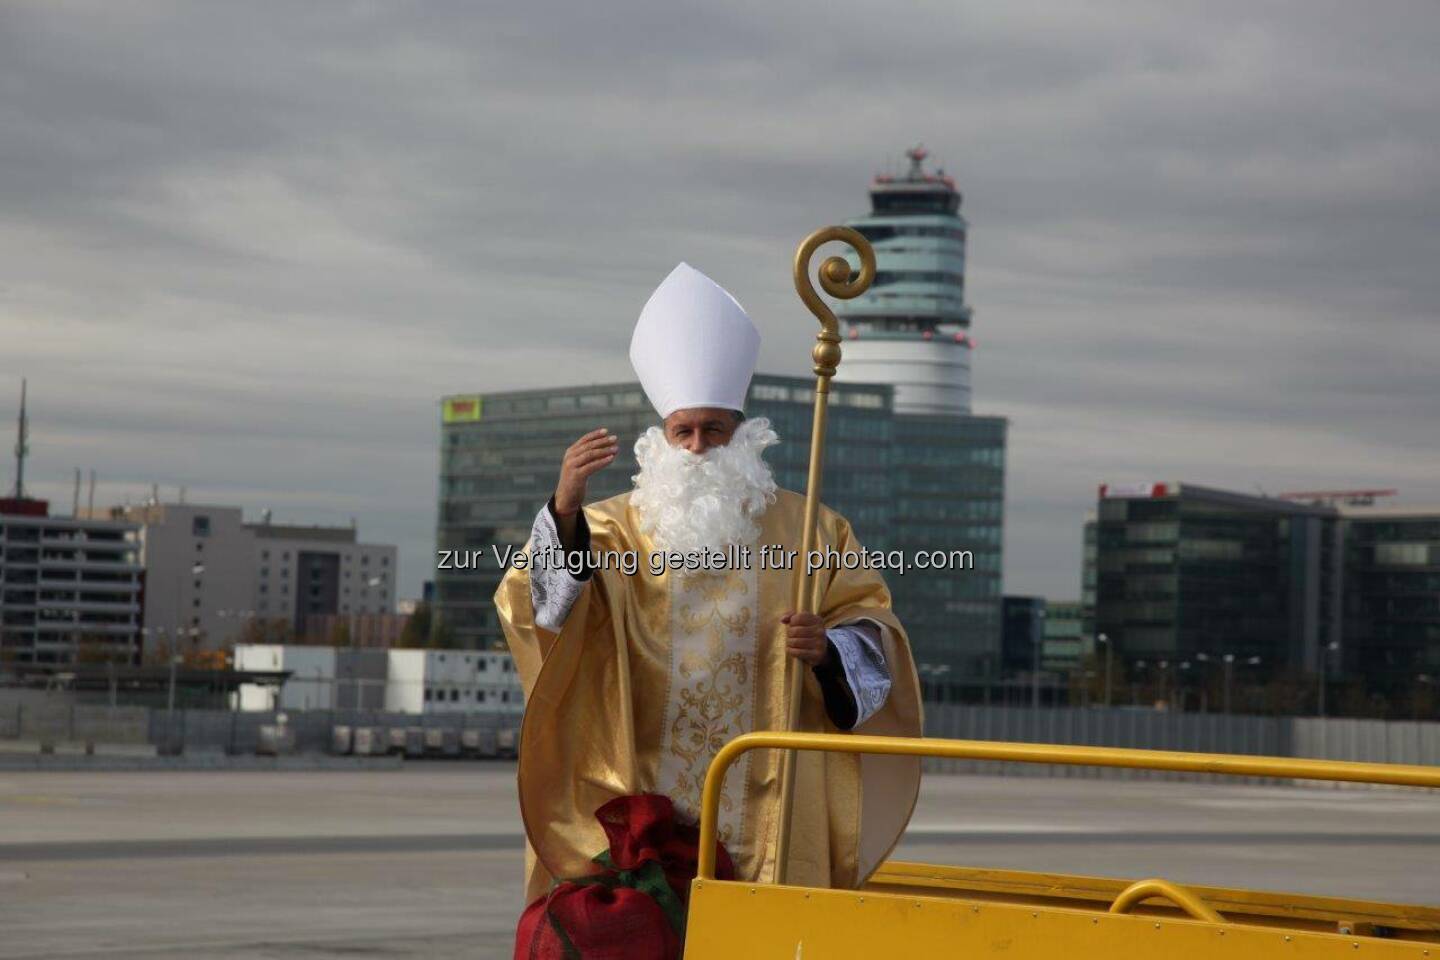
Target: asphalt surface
{"x": 426, "y": 861}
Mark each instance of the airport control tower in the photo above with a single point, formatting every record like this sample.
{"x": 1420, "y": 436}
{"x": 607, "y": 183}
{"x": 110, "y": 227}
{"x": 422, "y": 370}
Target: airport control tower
{"x": 911, "y": 328}
{"x": 946, "y": 466}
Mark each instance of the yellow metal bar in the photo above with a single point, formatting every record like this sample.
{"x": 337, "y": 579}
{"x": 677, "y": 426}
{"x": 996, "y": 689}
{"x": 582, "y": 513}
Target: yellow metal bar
{"x": 1132, "y": 895}
{"x": 1219, "y": 763}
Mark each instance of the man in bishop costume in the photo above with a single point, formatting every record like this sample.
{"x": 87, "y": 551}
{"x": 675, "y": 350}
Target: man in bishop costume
{"x": 632, "y": 683}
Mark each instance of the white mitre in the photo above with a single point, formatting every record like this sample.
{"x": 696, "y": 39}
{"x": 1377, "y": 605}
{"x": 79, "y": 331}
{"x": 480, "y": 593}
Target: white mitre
{"x": 694, "y": 345}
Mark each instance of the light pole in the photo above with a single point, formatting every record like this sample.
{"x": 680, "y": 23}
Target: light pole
{"x": 1109, "y": 662}
{"x": 1037, "y": 640}
{"x": 1204, "y": 682}
{"x": 1229, "y": 661}
{"x": 1421, "y": 680}
{"x": 1134, "y": 694}
{"x": 935, "y": 670}
{"x": 170, "y": 700}
{"x": 1325, "y": 653}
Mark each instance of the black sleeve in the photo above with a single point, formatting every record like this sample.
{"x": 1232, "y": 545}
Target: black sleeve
{"x": 580, "y": 568}
{"x": 839, "y": 701}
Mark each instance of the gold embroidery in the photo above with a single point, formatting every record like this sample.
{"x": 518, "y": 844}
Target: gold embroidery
{"x": 712, "y": 662}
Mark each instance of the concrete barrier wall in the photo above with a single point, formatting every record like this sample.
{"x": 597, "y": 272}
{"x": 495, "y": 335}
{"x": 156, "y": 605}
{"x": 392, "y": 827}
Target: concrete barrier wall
{"x": 1378, "y": 741}
{"x": 235, "y": 732}
{"x": 39, "y": 716}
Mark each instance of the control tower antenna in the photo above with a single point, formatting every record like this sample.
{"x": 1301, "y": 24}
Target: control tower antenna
{"x": 917, "y": 155}
{"x": 22, "y": 436}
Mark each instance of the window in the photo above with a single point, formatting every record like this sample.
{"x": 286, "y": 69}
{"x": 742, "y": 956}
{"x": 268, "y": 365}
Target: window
{"x": 365, "y": 560}
{"x": 482, "y": 665}
{"x": 200, "y": 525}
{"x": 480, "y": 696}
{"x": 264, "y": 554}
{"x": 384, "y": 561}
{"x": 264, "y": 588}
{"x": 1401, "y": 554}
{"x": 427, "y": 694}
{"x": 454, "y": 694}
{"x": 769, "y": 391}
{"x": 264, "y": 571}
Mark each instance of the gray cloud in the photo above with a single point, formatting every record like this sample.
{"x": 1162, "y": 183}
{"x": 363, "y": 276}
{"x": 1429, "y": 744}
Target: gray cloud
{"x": 245, "y": 249}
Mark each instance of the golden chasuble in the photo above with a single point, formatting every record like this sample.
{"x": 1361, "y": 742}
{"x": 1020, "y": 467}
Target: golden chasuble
{"x": 652, "y": 674}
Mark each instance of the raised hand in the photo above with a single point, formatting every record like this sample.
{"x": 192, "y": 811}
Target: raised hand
{"x": 590, "y": 454}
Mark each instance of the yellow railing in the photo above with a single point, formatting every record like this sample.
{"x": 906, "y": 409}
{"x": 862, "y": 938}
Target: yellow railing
{"x": 1226, "y": 764}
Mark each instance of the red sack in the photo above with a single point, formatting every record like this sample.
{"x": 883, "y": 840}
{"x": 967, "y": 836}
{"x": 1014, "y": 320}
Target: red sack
{"x": 595, "y": 922}
{"x": 642, "y": 828}
{"x": 636, "y": 907}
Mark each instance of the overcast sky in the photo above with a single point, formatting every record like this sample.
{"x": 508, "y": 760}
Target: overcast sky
{"x": 244, "y": 248}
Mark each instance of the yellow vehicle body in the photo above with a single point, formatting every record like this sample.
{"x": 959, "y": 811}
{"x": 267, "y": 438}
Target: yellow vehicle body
{"x": 912, "y": 910}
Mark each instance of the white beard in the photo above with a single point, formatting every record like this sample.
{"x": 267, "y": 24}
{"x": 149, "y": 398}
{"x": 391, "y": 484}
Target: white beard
{"x": 693, "y": 502}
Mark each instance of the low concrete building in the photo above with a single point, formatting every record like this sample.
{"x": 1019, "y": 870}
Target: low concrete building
{"x": 453, "y": 681}
{"x": 321, "y": 678}
{"x": 396, "y": 681}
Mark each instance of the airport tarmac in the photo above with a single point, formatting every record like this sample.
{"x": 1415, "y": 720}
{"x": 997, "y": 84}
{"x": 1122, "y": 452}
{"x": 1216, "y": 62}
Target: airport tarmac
{"x": 426, "y": 861}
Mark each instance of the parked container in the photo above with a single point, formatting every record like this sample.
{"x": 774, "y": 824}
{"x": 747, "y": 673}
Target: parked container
{"x": 478, "y": 743}
{"x": 369, "y": 741}
{"x": 275, "y": 740}
{"x": 508, "y": 742}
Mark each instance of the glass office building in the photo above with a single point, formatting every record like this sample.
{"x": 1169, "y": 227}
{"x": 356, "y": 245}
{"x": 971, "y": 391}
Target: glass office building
{"x": 1392, "y": 597}
{"x": 1183, "y": 570}
{"x": 904, "y": 483}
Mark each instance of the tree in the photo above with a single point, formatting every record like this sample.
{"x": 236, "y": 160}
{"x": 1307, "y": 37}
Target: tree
{"x": 416, "y": 632}
{"x": 340, "y": 633}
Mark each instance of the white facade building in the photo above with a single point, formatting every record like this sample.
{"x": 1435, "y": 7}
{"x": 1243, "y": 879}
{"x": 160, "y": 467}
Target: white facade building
{"x": 311, "y": 685}
{"x": 396, "y": 681}
{"x": 453, "y": 681}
